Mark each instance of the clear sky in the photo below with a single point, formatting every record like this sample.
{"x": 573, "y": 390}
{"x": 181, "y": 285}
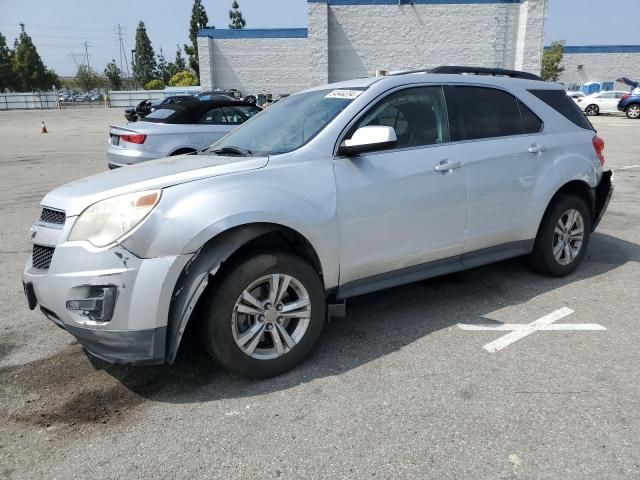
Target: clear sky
{"x": 60, "y": 27}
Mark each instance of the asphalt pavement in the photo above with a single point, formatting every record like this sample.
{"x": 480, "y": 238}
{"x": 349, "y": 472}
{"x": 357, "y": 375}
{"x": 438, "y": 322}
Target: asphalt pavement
{"x": 397, "y": 389}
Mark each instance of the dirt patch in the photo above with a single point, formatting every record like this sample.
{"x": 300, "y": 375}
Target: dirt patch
{"x": 69, "y": 389}
{"x": 6, "y": 347}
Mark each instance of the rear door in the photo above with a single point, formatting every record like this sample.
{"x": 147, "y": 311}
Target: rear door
{"x": 608, "y": 102}
{"x": 500, "y": 141}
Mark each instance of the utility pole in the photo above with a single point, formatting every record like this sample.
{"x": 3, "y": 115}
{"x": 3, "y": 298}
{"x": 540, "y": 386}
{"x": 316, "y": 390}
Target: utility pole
{"x": 133, "y": 64}
{"x": 123, "y": 53}
{"x": 86, "y": 54}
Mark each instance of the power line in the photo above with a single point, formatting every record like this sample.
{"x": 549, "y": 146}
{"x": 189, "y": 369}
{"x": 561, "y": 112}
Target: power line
{"x": 120, "y": 35}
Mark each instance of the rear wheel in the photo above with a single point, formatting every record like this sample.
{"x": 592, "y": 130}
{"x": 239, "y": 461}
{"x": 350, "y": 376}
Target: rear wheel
{"x": 592, "y": 110}
{"x": 633, "y": 111}
{"x": 563, "y": 237}
{"x": 265, "y": 315}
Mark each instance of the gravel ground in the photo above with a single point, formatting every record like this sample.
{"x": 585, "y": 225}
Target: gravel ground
{"x": 395, "y": 390}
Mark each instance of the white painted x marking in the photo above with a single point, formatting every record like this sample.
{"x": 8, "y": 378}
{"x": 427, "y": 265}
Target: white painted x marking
{"x": 518, "y": 331}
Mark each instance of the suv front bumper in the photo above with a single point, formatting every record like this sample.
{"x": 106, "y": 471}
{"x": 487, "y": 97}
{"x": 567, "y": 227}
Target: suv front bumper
{"x": 136, "y": 331}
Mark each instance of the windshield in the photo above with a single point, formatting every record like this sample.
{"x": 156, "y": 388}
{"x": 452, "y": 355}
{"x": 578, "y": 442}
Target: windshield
{"x": 289, "y": 123}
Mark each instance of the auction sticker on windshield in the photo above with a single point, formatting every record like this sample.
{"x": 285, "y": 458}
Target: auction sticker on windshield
{"x": 344, "y": 94}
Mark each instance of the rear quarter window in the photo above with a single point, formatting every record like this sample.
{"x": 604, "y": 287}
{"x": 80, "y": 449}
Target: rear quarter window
{"x": 562, "y": 104}
{"x": 159, "y": 115}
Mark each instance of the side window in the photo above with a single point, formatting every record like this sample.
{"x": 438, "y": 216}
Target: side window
{"x": 239, "y": 114}
{"x": 418, "y": 116}
{"x": 480, "y": 112}
{"x": 532, "y": 124}
{"x": 214, "y": 116}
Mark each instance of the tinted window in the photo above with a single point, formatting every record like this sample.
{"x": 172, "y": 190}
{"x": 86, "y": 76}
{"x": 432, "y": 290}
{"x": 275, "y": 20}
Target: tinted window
{"x": 484, "y": 113}
{"x": 230, "y": 115}
{"x": 417, "y": 115}
{"x": 557, "y": 100}
{"x": 213, "y": 117}
{"x": 532, "y": 124}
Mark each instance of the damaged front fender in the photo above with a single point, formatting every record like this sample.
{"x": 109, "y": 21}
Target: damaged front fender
{"x": 195, "y": 278}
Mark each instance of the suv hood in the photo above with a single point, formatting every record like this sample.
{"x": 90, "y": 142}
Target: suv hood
{"x": 74, "y": 197}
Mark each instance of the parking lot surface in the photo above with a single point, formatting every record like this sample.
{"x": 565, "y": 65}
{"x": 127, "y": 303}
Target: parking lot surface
{"x": 397, "y": 389}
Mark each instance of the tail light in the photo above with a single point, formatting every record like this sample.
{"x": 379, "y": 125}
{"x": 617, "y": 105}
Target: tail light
{"x": 625, "y": 96}
{"x": 138, "y": 138}
{"x": 598, "y": 146}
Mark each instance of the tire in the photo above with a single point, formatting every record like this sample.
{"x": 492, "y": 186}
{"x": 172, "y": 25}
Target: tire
{"x": 543, "y": 259}
{"x": 633, "y": 111}
{"x": 592, "y": 110}
{"x": 245, "y": 343}
{"x": 183, "y": 151}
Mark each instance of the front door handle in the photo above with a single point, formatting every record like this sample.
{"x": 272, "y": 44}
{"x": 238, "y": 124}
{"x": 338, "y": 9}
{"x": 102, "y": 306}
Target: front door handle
{"x": 537, "y": 148}
{"x": 445, "y": 166}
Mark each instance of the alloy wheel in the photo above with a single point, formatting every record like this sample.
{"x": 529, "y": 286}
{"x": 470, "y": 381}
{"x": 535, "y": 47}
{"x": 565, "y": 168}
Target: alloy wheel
{"x": 568, "y": 237}
{"x": 271, "y": 316}
{"x": 633, "y": 111}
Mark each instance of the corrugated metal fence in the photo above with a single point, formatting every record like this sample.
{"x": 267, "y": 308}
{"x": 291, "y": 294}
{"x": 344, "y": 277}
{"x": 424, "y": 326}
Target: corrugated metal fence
{"x": 28, "y": 101}
{"x": 131, "y": 98}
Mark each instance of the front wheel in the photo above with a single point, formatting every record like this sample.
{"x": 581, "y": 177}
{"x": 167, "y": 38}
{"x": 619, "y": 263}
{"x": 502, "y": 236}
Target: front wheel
{"x": 563, "y": 237}
{"x": 633, "y": 111}
{"x": 592, "y": 110}
{"x": 265, "y": 315}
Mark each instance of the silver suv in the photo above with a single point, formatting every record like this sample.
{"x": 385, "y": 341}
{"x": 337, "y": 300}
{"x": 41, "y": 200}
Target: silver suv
{"x": 334, "y": 192}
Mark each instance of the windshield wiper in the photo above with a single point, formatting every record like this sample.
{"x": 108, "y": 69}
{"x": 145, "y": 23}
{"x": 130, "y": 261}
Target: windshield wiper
{"x": 232, "y": 151}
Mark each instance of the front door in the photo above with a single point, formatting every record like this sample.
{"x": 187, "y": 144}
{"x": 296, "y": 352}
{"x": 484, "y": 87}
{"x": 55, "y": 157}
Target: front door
{"x": 404, "y": 206}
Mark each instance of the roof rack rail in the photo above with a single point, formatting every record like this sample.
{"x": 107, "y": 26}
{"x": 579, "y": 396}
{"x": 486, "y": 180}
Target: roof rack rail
{"x": 453, "y": 69}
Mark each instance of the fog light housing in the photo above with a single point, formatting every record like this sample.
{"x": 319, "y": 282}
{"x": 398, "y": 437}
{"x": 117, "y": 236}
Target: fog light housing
{"x": 98, "y": 306}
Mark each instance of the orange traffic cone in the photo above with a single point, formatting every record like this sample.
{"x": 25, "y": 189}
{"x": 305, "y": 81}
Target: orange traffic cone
{"x": 44, "y": 128}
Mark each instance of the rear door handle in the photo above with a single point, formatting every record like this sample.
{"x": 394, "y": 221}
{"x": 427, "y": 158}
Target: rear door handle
{"x": 445, "y": 166}
{"x": 538, "y": 148}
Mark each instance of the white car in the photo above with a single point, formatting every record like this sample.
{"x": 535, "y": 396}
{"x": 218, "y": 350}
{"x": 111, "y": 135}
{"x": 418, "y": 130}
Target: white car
{"x": 601, "y": 102}
{"x": 575, "y": 96}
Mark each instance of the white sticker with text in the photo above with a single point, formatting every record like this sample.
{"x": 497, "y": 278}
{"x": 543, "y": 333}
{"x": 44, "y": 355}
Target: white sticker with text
{"x": 344, "y": 94}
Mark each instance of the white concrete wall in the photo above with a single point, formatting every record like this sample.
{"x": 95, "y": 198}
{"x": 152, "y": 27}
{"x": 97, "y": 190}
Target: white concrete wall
{"x": 365, "y": 38}
{"x": 318, "y": 17}
{"x": 528, "y": 54}
{"x": 255, "y": 65}
{"x": 351, "y": 41}
{"x": 600, "y": 67}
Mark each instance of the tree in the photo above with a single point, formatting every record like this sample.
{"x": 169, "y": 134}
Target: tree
{"x": 6, "y": 77}
{"x": 551, "y": 62}
{"x": 183, "y": 79}
{"x": 199, "y": 20}
{"x": 144, "y": 67}
{"x": 114, "y": 75}
{"x": 154, "y": 85}
{"x": 178, "y": 66}
{"x": 28, "y": 70}
{"x": 235, "y": 15}
{"x": 86, "y": 78}
{"x": 163, "y": 72}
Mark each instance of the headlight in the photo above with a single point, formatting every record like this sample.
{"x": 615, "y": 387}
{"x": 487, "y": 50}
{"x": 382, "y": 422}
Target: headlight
{"x": 106, "y": 221}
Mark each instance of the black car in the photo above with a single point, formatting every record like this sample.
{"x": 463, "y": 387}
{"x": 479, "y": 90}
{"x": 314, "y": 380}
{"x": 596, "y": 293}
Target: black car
{"x": 145, "y": 107}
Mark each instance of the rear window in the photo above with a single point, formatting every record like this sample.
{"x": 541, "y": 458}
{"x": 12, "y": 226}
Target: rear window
{"x": 159, "y": 114}
{"x": 562, "y": 104}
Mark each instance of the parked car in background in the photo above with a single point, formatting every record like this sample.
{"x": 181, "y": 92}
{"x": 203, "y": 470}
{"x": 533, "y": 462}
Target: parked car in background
{"x": 145, "y": 107}
{"x": 630, "y": 104}
{"x": 216, "y": 95}
{"x": 175, "y": 129}
{"x": 333, "y": 192}
{"x": 575, "y": 96}
{"x": 601, "y": 102}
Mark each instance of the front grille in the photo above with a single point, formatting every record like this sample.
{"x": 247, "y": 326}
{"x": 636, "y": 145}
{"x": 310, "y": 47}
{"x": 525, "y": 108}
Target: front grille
{"x": 52, "y": 216}
{"x": 42, "y": 256}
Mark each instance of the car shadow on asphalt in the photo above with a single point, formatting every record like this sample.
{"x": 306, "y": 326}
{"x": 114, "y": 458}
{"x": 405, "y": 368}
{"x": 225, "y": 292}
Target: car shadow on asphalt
{"x": 376, "y": 325}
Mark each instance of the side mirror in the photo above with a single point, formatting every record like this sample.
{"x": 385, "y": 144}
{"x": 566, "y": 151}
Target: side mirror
{"x": 367, "y": 139}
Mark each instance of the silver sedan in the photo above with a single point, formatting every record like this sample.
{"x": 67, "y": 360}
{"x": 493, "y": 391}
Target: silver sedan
{"x": 175, "y": 130}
